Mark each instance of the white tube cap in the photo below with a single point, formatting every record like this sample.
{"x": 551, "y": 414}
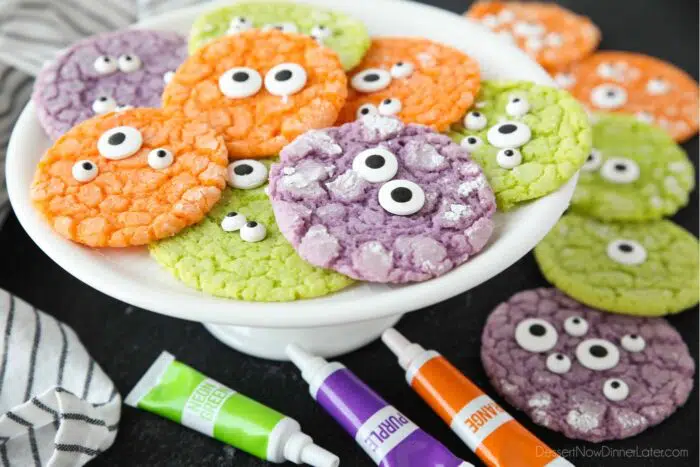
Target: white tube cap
{"x": 405, "y": 350}
{"x": 309, "y": 364}
{"x": 301, "y": 449}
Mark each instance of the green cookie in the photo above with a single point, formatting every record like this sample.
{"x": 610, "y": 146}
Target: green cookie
{"x": 636, "y": 172}
{"x": 347, "y": 36}
{"x": 646, "y": 269}
{"x": 529, "y": 139}
{"x": 221, "y": 263}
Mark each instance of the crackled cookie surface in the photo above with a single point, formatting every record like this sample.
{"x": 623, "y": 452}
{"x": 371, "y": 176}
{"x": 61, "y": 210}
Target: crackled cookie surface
{"x": 381, "y": 201}
{"x": 529, "y": 139}
{"x": 635, "y": 172}
{"x": 260, "y": 89}
{"x": 102, "y": 73}
{"x": 653, "y": 90}
{"x": 416, "y": 80}
{"x": 345, "y": 35}
{"x": 129, "y": 178}
{"x": 590, "y": 375}
{"x": 238, "y": 252}
{"x": 646, "y": 269}
{"x": 552, "y": 35}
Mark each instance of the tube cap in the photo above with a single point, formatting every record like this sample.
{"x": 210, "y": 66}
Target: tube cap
{"x": 405, "y": 350}
{"x": 308, "y": 364}
{"x": 301, "y": 449}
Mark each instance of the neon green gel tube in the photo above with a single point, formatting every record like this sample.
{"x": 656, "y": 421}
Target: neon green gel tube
{"x": 180, "y": 393}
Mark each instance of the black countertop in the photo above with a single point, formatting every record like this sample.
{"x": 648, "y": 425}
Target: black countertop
{"x": 125, "y": 340}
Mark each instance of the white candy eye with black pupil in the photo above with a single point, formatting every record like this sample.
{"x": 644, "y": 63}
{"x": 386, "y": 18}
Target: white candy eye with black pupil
{"x": 105, "y": 65}
{"x": 517, "y": 106}
{"x": 620, "y": 170}
{"x": 509, "y": 158}
{"x": 253, "y": 232}
{"x": 608, "y": 96}
{"x": 402, "y": 70}
{"x": 475, "y": 121}
{"x": 509, "y": 134}
{"x": 401, "y": 197}
{"x": 375, "y": 165}
{"x": 321, "y": 32}
{"x": 615, "y": 389}
{"x": 633, "y": 343}
{"x": 160, "y": 158}
{"x": 233, "y": 221}
{"x": 128, "y": 63}
{"x": 240, "y": 82}
{"x": 283, "y": 27}
{"x": 558, "y": 363}
{"x": 103, "y": 104}
{"x": 535, "y": 335}
{"x": 239, "y": 24}
{"x": 247, "y": 174}
{"x": 84, "y": 171}
{"x": 575, "y": 326}
{"x": 367, "y": 109}
{"x": 390, "y": 107}
{"x": 471, "y": 143}
{"x": 119, "y": 143}
{"x": 597, "y": 354}
{"x": 593, "y": 161}
{"x": 285, "y": 79}
{"x": 626, "y": 252}
{"x": 371, "y": 80}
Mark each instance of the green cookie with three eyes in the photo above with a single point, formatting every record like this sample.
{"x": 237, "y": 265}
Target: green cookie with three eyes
{"x": 342, "y": 33}
{"x": 529, "y": 139}
{"x": 636, "y": 172}
{"x": 238, "y": 252}
{"x": 642, "y": 269}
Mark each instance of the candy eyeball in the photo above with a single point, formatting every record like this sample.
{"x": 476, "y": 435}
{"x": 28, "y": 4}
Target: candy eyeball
{"x": 285, "y": 79}
{"x": 597, "y": 354}
{"x": 247, "y": 174}
{"x": 160, "y": 158}
{"x": 517, "y": 106}
{"x": 593, "y": 161}
{"x": 620, "y": 170}
{"x": 536, "y": 335}
{"x": 367, "y": 109}
{"x": 129, "y": 63}
{"x": 119, "y": 143}
{"x": 401, "y": 197}
{"x": 558, "y": 363}
{"x": 402, "y": 70}
{"x": 168, "y": 76}
{"x": 240, "y": 82}
{"x": 575, "y": 326}
{"x": 239, "y": 24}
{"x": 475, "y": 121}
{"x": 284, "y": 27}
{"x": 608, "y": 96}
{"x": 389, "y": 107}
{"x": 658, "y": 86}
{"x": 84, "y": 171}
{"x": 321, "y": 32}
{"x": 471, "y": 143}
{"x": 633, "y": 343}
{"x": 627, "y": 252}
{"x": 371, "y": 80}
{"x": 375, "y": 165}
{"x": 509, "y": 134}
{"x": 233, "y": 221}
{"x": 103, "y": 104}
{"x": 105, "y": 65}
{"x": 509, "y": 158}
{"x": 252, "y": 232}
{"x": 615, "y": 389}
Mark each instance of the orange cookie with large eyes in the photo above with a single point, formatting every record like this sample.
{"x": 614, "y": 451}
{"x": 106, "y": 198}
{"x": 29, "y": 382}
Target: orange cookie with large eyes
{"x": 129, "y": 178}
{"x": 259, "y": 89}
{"x": 653, "y": 90}
{"x": 416, "y": 80}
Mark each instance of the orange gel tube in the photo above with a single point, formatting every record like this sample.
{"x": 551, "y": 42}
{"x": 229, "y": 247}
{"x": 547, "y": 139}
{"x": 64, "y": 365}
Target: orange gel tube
{"x": 496, "y": 437}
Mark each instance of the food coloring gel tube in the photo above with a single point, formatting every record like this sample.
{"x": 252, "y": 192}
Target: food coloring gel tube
{"x": 385, "y": 434}
{"x": 496, "y": 437}
{"x": 177, "y": 392}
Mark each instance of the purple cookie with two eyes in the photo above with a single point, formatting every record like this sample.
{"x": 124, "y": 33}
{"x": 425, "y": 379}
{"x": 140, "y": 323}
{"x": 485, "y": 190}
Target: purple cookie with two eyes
{"x": 381, "y": 201}
{"x": 591, "y": 375}
{"x": 103, "y": 73}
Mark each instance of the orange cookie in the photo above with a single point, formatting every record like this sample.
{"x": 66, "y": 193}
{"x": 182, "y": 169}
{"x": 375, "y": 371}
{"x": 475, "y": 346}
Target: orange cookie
{"x": 417, "y": 80}
{"x": 129, "y": 178}
{"x": 655, "y": 91}
{"x": 552, "y": 35}
{"x": 260, "y": 89}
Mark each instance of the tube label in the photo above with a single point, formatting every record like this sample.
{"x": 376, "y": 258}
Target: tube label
{"x": 383, "y": 431}
{"x": 478, "y": 419}
{"x": 203, "y": 406}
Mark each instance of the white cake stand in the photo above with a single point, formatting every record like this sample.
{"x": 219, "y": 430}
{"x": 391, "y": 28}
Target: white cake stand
{"x": 331, "y": 325}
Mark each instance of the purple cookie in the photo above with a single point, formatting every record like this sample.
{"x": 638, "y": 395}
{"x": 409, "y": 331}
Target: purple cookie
{"x": 102, "y": 73}
{"x": 591, "y": 375}
{"x": 381, "y": 201}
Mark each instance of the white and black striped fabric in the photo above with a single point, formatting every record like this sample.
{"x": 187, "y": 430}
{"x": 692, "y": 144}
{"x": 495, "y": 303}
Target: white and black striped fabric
{"x": 57, "y": 407}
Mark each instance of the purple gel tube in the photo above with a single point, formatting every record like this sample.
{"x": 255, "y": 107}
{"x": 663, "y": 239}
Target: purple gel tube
{"x": 385, "y": 434}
